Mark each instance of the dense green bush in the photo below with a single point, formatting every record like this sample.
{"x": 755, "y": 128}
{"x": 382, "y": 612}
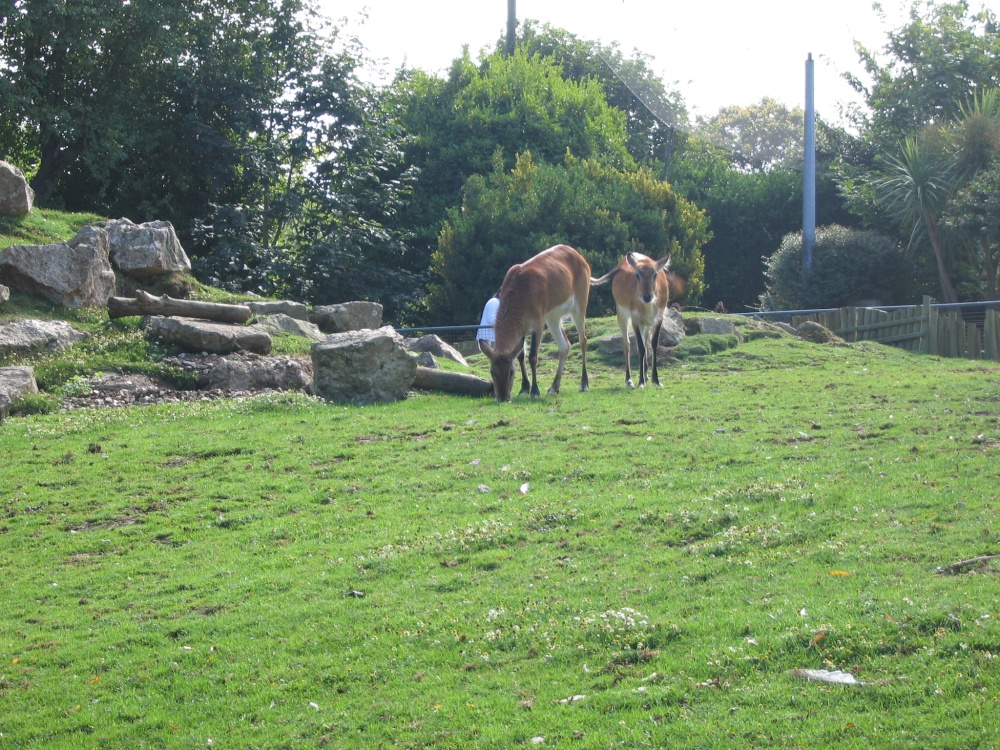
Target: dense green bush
{"x": 510, "y": 215}
{"x": 849, "y": 266}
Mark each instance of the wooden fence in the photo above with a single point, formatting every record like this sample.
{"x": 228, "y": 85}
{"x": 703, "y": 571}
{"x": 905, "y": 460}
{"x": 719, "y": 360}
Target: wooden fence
{"x": 921, "y": 328}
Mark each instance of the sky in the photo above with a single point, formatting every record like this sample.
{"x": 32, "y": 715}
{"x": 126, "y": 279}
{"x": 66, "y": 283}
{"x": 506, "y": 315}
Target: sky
{"x": 715, "y": 53}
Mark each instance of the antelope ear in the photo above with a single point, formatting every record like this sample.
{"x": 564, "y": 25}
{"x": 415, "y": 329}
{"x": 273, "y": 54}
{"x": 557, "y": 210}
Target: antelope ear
{"x": 486, "y": 349}
{"x": 663, "y": 264}
{"x": 630, "y": 259}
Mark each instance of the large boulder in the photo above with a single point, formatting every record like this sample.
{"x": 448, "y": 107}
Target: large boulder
{"x": 254, "y": 373}
{"x": 281, "y": 323}
{"x": 73, "y": 274}
{"x": 144, "y": 250}
{"x": 363, "y": 367}
{"x": 434, "y": 345}
{"x": 28, "y": 336}
{"x": 16, "y": 196}
{"x": 191, "y": 335}
{"x": 297, "y": 310}
{"x": 15, "y": 382}
{"x": 711, "y": 325}
{"x": 349, "y": 316}
{"x": 671, "y": 334}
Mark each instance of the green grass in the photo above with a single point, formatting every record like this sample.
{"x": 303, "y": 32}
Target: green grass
{"x": 451, "y": 573}
{"x": 43, "y": 227}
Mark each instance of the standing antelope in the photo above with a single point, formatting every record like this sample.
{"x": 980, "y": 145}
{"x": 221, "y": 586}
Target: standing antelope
{"x": 535, "y": 294}
{"x": 642, "y": 292}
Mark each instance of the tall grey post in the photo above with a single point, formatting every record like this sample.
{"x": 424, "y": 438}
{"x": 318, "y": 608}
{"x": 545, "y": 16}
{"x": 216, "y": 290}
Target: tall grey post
{"x": 809, "y": 174}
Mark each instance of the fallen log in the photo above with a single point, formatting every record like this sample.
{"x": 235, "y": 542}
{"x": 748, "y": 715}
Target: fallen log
{"x": 145, "y": 303}
{"x": 963, "y": 564}
{"x": 428, "y": 379}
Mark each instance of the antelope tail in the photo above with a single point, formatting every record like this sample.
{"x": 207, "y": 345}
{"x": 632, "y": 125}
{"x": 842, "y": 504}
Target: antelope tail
{"x": 604, "y": 279}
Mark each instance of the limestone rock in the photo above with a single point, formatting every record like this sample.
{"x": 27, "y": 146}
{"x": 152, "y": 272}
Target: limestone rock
{"x": 144, "y": 250}
{"x": 281, "y": 323}
{"x": 362, "y": 366}
{"x": 15, "y": 382}
{"x": 349, "y": 316}
{"x": 191, "y": 335}
{"x": 4, "y": 294}
{"x": 296, "y": 310}
{"x": 74, "y": 274}
{"x": 253, "y": 373}
{"x": 16, "y": 196}
{"x": 710, "y": 325}
{"x": 436, "y": 346}
{"x": 28, "y": 336}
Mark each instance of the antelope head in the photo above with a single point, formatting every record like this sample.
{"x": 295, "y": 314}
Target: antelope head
{"x": 501, "y": 370}
{"x": 645, "y": 275}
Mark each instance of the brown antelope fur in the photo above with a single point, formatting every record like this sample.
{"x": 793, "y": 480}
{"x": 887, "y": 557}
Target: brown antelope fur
{"x": 535, "y": 294}
{"x": 642, "y": 292}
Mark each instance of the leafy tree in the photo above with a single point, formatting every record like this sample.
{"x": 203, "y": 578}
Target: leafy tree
{"x": 317, "y": 188}
{"x": 85, "y": 79}
{"x": 758, "y": 137}
{"x": 516, "y": 103}
{"x": 848, "y": 265}
{"x": 914, "y": 189}
{"x": 941, "y": 56}
{"x": 975, "y": 213}
{"x": 509, "y": 215}
{"x": 653, "y": 113}
{"x": 749, "y": 214}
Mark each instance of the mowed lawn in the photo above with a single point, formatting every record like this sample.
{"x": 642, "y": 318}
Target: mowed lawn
{"x": 648, "y": 568}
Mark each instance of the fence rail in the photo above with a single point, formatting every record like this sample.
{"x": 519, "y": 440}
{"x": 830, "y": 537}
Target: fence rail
{"x": 970, "y": 330}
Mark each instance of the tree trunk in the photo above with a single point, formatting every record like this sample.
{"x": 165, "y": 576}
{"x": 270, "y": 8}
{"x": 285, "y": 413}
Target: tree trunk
{"x": 451, "y": 382}
{"x": 934, "y": 235}
{"x": 146, "y": 304}
{"x": 56, "y": 155}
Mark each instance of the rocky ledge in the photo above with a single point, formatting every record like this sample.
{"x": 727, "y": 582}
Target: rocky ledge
{"x": 249, "y": 375}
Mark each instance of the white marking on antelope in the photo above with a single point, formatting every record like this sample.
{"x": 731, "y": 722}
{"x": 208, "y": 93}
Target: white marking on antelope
{"x": 642, "y": 293}
{"x": 537, "y": 293}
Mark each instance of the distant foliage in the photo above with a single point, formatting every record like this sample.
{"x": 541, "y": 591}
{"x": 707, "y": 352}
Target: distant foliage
{"x": 849, "y": 265}
{"x": 510, "y": 215}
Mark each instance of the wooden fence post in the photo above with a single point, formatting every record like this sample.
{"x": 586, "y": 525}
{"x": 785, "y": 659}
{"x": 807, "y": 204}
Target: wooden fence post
{"x": 930, "y": 328}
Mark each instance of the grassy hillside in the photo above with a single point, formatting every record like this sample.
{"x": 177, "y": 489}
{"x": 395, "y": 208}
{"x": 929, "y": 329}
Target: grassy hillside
{"x": 607, "y": 569}
{"x": 43, "y": 227}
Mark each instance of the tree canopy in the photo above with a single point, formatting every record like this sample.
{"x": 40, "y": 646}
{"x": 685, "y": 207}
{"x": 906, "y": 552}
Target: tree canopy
{"x": 509, "y": 215}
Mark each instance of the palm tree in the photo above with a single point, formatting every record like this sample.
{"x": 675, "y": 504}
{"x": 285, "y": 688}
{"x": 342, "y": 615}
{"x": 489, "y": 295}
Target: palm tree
{"x": 914, "y": 190}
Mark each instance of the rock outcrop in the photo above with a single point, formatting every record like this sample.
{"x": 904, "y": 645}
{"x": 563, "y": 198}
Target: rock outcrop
{"x": 28, "y": 336}
{"x": 191, "y": 335}
{"x": 349, "y": 316}
{"x": 16, "y": 196}
{"x": 281, "y": 323}
{"x": 70, "y": 274}
{"x": 15, "y": 382}
{"x": 363, "y": 367}
{"x": 145, "y": 250}
{"x": 436, "y": 346}
{"x": 297, "y": 310}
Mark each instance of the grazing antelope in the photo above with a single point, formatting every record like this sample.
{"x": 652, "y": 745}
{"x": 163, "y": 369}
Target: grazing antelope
{"x": 535, "y": 294}
{"x": 642, "y": 292}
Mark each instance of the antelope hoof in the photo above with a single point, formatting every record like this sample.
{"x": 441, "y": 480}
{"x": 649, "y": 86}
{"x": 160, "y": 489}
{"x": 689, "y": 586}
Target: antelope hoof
{"x": 629, "y": 383}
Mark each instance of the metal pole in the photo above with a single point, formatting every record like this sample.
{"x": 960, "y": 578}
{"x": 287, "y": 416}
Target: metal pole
{"x": 809, "y": 175}
{"x": 511, "y": 25}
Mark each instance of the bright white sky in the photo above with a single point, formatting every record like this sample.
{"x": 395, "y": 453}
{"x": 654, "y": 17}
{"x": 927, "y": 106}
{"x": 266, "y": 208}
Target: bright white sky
{"x": 717, "y": 53}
